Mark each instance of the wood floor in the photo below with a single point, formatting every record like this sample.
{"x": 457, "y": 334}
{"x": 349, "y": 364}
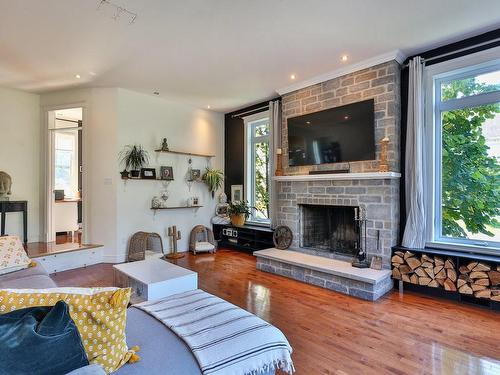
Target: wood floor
{"x": 332, "y": 333}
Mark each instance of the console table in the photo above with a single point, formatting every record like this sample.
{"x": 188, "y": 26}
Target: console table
{"x": 15, "y": 206}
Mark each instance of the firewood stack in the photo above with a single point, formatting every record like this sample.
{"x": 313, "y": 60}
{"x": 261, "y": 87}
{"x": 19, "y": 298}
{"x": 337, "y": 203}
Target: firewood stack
{"x": 426, "y": 270}
{"x": 480, "y": 279}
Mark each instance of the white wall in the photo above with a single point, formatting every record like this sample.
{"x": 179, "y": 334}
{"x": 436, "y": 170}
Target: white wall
{"x": 19, "y": 155}
{"x": 100, "y": 155}
{"x": 145, "y": 119}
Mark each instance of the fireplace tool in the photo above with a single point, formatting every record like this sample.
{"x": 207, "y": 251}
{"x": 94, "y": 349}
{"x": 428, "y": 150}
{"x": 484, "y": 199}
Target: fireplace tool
{"x": 359, "y": 260}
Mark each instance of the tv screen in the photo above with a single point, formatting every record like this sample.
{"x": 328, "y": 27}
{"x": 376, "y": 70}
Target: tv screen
{"x": 340, "y": 134}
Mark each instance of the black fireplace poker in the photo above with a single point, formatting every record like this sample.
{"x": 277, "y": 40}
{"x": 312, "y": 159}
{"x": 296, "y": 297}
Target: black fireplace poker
{"x": 360, "y": 260}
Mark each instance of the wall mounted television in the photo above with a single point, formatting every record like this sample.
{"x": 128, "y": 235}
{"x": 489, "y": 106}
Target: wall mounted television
{"x": 340, "y": 134}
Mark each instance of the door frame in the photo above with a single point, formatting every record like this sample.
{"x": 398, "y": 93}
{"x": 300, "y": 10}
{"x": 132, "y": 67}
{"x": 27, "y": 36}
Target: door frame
{"x": 46, "y": 175}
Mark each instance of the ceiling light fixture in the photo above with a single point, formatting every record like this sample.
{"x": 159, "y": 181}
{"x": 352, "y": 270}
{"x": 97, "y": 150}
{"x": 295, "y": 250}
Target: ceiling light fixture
{"x": 344, "y": 58}
{"x": 78, "y": 76}
{"x": 292, "y": 76}
{"x": 156, "y": 92}
{"x": 118, "y": 11}
{"x": 208, "y": 106}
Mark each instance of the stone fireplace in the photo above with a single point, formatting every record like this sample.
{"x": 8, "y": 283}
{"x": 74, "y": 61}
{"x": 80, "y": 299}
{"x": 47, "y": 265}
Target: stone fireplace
{"x": 329, "y": 228}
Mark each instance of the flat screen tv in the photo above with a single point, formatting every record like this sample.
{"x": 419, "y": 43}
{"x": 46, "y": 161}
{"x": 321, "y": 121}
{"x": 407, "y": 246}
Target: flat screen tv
{"x": 340, "y": 134}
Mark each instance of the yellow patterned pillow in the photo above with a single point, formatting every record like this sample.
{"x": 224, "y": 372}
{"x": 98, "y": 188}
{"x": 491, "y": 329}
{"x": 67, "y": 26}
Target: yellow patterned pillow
{"x": 12, "y": 255}
{"x": 99, "y": 313}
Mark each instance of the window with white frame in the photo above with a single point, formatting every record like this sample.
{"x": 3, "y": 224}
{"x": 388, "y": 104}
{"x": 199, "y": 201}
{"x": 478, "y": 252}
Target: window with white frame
{"x": 465, "y": 179}
{"x": 65, "y": 162}
{"x": 257, "y": 166}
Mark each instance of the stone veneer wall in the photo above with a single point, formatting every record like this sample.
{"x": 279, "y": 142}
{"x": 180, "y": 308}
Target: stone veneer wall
{"x": 381, "y": 83}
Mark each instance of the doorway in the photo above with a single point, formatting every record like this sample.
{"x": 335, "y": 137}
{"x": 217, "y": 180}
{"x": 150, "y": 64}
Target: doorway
{"x": 65, "y": 171}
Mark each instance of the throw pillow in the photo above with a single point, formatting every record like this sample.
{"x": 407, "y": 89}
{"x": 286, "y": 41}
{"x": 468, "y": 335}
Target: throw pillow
{"x": 12, "y": 255}
{"x": 99, "y": 313}
{"x": 41, "y": 340}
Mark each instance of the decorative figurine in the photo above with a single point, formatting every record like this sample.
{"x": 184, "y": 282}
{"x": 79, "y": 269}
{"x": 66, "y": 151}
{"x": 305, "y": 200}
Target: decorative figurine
{"x": 164, "y": 145}
{"x": 156, "y": 202}
{"x": 384, "y": 164}
{"x": 176, "y": 235}
{"x": 221, "y": 214}
{"x": 124, "y": 174}
{"x": 5, "y": 186}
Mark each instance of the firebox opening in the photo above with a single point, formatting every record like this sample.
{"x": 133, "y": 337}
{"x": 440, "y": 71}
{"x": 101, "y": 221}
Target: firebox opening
{"x": 329, "y": 228}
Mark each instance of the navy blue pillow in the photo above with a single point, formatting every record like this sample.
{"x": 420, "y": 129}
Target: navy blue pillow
{"x": 40, "y": 341}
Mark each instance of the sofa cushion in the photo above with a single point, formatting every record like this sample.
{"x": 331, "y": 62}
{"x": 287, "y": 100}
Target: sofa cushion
{"x": 35, "y": 281}
{"x": 99, "y": 313}
{"x": 12, "y": 255}
{"x": 41, "y": 338}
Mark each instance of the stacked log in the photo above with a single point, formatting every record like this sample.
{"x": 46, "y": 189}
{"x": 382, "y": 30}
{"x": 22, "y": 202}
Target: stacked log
{"x": 426, "y": 270}
{"x": 479, "y": 279}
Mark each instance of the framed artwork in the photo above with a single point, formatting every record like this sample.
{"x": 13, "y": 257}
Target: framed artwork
{"x": 236, "y": 193}
{"x": 148, "y": 173}
{"x": 195, "y": 175}
{"x": 166, "y": 173}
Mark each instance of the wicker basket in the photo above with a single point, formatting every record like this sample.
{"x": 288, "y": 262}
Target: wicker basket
{"x": 141, "y": 242}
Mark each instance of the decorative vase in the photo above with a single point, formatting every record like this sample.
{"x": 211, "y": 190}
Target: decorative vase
{"x": 135, "y": 173}
{"x": 238, "y": 219}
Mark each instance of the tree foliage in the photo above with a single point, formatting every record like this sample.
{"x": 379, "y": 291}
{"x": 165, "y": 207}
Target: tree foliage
{"x": 470, "y": 177}
{"x": 262, "y": 174}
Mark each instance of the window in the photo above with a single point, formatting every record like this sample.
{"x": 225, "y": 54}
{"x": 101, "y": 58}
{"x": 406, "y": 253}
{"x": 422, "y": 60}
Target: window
{"x": 65, "y": 173}
{"x": 465, "y": 187}
{"x": 258, "y": 166}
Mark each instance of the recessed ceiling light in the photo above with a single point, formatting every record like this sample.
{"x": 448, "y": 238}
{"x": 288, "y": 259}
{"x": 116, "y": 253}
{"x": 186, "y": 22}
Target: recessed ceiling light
{"x": 292, "y": 76}
{"x": 208, "y": 107}
{"x": 78, "y": 76}
{"x": 344, "y": 58}
{"x": 156, "y": 92}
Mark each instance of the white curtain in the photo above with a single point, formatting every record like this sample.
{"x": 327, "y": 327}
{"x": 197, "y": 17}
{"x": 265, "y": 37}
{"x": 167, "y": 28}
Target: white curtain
{"x": 274, "y": 144}
{"x": 414, "y": 233}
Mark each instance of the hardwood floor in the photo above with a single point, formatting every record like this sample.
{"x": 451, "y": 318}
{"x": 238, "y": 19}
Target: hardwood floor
{"x": 332, "y": 333}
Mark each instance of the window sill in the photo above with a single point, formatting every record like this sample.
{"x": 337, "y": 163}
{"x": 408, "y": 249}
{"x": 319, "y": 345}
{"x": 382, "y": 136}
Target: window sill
{"x": 487, "y": 250}
{"x": 259, "y": 223}
{"x": 453, "y": 253}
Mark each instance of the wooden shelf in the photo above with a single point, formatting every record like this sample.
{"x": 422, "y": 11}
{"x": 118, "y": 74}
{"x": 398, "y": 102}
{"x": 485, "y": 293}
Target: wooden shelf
{"x": 186, "y": 153}
{"x": 145, "y": 179}
{"x": 174, "y": 207}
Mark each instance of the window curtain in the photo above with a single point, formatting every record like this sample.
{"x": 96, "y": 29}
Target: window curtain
{"x": 414, "y": 233}
{"x": 274, "y": 145}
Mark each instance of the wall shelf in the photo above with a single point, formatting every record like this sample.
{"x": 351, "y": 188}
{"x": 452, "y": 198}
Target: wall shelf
{"x": 185, "y": 153}
{"x": 174, "y": 207}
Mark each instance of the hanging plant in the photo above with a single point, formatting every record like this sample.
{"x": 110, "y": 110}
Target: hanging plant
{"x": 134, "y": 157}
{"x": 213, "y": 179}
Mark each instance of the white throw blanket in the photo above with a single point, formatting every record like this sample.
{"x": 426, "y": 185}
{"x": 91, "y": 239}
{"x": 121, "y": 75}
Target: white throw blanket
{"x": 224, "y": 338}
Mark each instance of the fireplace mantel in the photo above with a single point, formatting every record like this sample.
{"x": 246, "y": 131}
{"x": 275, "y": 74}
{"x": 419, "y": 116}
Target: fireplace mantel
{"x": 340, "y": 176}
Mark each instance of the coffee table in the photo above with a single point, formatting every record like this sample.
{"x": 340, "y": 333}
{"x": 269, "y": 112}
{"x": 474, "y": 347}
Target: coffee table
{"x": 154, "y": 278}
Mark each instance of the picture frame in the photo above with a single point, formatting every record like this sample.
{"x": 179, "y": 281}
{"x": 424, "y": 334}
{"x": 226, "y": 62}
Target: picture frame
{"x": 236, "y": 193}
{"x": 195, "y": 175}
{"x": 148, "y": 173}
{"x": 166, "y": 173}
{"x": 376, "y": 263}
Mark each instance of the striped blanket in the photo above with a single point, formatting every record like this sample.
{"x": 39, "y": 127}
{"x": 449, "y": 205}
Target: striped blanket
{"x": 224, "y": 338}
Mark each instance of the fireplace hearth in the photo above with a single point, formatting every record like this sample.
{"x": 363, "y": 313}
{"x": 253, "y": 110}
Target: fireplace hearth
{"x": 328, "y": 228}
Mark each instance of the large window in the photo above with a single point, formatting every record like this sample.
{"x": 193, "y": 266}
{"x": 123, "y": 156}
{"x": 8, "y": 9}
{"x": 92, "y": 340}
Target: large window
{"x": 257, "y": 166}
{"x": 465, "y": 188}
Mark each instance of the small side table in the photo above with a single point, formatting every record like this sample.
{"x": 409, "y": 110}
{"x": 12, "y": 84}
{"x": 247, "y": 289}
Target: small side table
{"x": 15, "y": 206}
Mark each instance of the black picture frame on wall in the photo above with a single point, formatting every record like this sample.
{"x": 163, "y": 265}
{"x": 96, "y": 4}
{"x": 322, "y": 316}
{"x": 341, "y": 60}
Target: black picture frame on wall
{"x": 148, "y": 173}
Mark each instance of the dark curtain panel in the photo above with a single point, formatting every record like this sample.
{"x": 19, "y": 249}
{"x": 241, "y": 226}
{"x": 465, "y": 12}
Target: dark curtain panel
{"x": 449, "y": 48}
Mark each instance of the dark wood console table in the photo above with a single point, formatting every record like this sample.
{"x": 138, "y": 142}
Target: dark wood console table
{"x": 15, "y": 206}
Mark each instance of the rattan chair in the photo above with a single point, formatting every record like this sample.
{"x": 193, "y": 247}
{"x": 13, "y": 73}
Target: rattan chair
{"x": 202, "y": 240}
{"x": 141, "y": 243}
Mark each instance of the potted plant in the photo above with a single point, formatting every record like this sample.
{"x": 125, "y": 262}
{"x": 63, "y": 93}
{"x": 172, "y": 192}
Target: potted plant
{"x": 238, "y": 212}
{"x": 213, "y": 179}
{"x": 134, "y": 157}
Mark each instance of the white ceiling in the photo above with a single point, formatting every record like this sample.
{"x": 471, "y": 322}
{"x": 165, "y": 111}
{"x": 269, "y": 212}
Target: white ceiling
{"x": 222, "y": 53}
